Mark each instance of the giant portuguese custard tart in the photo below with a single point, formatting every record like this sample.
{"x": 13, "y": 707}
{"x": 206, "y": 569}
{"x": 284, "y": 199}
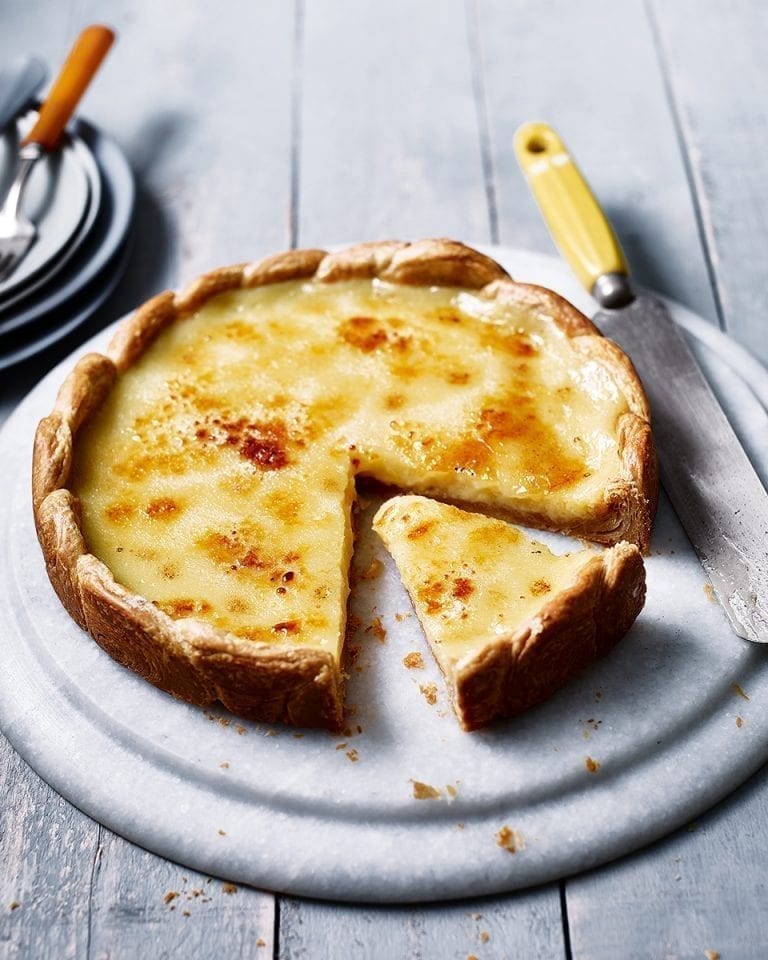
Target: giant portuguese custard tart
{"x": 194, "y": 487}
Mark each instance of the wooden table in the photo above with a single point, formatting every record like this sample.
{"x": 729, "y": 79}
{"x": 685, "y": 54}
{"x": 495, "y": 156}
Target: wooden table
{"x": 253, "y": 126}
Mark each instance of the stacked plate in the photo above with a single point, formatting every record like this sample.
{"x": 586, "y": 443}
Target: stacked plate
{"x": 81, "y": 200}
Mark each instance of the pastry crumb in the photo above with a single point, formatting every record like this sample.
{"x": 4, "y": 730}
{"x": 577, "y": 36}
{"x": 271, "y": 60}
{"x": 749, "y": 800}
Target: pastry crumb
{"x": 341, "y": 746}
{"x": 451, "y": 790}
{"x": 510, "y": 840}
{"x": 739, "y": 722}
{"x": 373, "y": 571}
{"x": 712, "y": 954}
{"x": 185, "y": 913}
{"x": 261, "y": 942}
{"x": 423, "y": 791}
{"x": 224, "y": 764}
{"x": 484, "y": 936}
{"x": 414, "y": 660}
{"x": 592, "y": 765}
{"x": 171, "y": 895}
{"x": 460, "y": 826}
{"x": 222, "y": 833}
{"x": 429, "y": 692}
{"x": 298, "y": 736}
{"x": 739, "y": 692}
{"x": 240, "y": 729}
{"x": 377, "y": 629}
{"x": 353, "y": 755}
{"x": 229, "y": 888}
{"x": 709, "y": 591}
{"x": 14, "y": 905}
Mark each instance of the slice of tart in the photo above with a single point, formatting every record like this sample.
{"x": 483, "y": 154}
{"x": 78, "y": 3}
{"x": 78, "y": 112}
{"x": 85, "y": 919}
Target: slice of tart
{"x": 508, "y": 621}
{"x": 193, "y": 487}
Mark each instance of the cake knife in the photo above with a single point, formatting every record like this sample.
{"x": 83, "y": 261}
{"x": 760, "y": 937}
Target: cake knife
{"x": 714, "y": 489}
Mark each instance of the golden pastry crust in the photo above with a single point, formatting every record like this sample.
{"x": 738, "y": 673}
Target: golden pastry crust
{"x": 522, "y": 669}
{"x": 192, "y": 660}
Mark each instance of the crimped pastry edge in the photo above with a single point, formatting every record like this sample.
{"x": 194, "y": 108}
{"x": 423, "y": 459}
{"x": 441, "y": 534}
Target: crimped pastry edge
{"x": 584, "y": 621}
{"x": 193, "y": 660}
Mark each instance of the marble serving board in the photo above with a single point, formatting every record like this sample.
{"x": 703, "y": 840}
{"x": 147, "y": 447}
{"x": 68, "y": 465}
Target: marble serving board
{"x": 403, "y": 806}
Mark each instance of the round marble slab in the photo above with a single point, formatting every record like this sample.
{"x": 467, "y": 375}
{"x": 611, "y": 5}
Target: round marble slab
{"x": 403, "y": 806}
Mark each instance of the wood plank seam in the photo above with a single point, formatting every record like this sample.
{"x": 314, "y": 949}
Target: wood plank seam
{"x": 568, "y": 953}
{"x": 698, "y": 195}
{"x": 483, "y": 122}
{"x": 296, "y": 103}
{"x": 95, "y": 866}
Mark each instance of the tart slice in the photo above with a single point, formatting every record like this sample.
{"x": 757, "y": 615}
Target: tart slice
{"x": 508, "y": 621}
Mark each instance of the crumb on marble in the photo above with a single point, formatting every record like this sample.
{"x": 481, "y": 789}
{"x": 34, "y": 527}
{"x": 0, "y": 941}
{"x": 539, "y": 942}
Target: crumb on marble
{"x": 377, "y": 629}
{"x": 414, "y": 660}
{"x": 424, "y": 791}
{"x": 510, "y": 840}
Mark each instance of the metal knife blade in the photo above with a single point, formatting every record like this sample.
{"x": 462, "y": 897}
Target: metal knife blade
{"x": 713, "y": 487}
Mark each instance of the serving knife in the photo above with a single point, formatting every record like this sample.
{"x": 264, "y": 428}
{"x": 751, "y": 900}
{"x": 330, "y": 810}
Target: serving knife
{"x": 714, "y": 489}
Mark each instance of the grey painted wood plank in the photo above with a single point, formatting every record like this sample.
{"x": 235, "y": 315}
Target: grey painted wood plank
{"x": 145, "y": 906}
{"x": 594, "y": 75}
{"x": 390, "y": 146}
{"x": 389, "y": 141}
{"x": 699, "y": 889}
{"x": 703, "y": 890}
{"x": 600, "y": 85}
{"x": 201, "y": 105}
{"x": 526, "y": 926}
{"x": 47, "y": 851}
{"x": 719, "y": 84}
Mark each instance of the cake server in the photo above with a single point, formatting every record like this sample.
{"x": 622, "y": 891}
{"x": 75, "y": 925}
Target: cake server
{"x": 17, "y": 233}
{"x": 713, "y": 487}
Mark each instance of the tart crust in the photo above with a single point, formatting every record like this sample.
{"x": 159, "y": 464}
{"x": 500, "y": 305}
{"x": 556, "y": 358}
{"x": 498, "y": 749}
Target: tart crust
{"x": 193, "y": 660}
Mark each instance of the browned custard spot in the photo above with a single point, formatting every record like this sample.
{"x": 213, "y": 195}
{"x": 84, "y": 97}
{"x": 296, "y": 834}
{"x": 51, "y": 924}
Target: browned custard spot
{"x": 457, "y": 377}
{"x": 462, "y": 588}
{"x": 540, "y": 587}
{"x": 287, "y": 627}
{"x": 432, "y": 595}
{"x": 163, "y": 508}
{"x": 394, "y": 401}
{"x": 364, "y": 333}
{"x": 184, "y": 607}
{"x": 420, "y": 529}
{"x": 120, "y": 512}
{"x": 232, "y": 550}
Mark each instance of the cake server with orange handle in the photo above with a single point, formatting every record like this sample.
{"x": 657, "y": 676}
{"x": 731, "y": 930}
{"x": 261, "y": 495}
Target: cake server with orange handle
{"x": 714, "y": 489}
{"x": 17, "y": 233}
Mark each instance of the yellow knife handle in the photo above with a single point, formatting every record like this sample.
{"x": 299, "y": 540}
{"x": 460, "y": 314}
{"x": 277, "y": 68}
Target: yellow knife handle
{"x": 574, "y": 217}
{"x": 83, "y": 61}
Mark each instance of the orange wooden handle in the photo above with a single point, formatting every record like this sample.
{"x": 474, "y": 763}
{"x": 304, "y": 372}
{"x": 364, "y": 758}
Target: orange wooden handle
{"x": 83, "y": 61}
